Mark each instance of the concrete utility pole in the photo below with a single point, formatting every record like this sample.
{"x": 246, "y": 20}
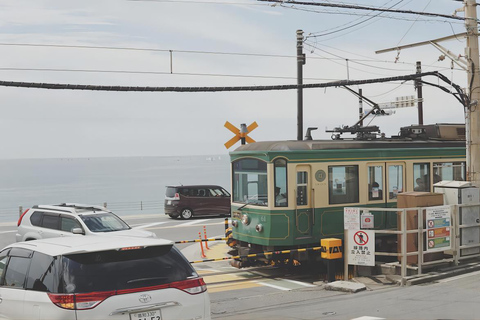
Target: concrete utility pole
{"x": 300, "y": 63}
{"x": 472, "y": 113}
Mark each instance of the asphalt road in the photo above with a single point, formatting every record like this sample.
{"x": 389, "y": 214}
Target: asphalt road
{"x": 253, "y": 294}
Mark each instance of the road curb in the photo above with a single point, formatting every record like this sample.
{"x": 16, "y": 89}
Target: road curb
{"x": 442, "y": 274}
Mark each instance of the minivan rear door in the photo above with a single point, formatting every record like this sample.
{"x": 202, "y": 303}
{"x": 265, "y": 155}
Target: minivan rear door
{"x": 136, "y": 283}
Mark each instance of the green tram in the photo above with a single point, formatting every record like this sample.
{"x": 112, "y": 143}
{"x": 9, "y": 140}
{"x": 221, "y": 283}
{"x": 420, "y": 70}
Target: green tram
{"x": 291, "y": 194}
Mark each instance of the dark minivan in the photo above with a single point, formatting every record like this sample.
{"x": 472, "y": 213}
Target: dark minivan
{"x": 199, "y": 200}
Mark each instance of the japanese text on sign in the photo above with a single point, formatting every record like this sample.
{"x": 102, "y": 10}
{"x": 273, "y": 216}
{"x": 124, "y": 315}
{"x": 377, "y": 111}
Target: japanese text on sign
{"x": 361, "y": 247}
{"x": 351, "y": 218}
{"x": 438, "y": 228}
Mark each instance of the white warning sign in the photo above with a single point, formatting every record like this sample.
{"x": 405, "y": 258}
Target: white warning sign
{"x": 361, "y": 247}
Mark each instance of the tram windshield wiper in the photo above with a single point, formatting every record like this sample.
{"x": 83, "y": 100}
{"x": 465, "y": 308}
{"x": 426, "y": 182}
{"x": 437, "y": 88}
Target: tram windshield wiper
{"x": 246, "y": 204}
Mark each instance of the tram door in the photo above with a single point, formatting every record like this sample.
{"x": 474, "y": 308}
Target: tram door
{"x": 303, "y": 203}
{"x": 385, "y": 182}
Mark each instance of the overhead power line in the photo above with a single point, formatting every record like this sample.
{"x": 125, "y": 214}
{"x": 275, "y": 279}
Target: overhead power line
{"x": 459, "y": 95}
{"x": 356, "y": 7}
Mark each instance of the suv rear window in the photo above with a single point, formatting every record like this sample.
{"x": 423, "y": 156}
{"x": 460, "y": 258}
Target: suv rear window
{"x": 129, "y": 269}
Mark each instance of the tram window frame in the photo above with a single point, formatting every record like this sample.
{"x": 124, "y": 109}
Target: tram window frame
{"x": 458, "y": 171}
{"x": 250, "y": 182}
{"x": 375, "y": 183}
{"x": 280, "y": 182}
{"x": 302, "y": 188}
{"x": 420, "y": 177}
{"x": 395, "y": 185}
{"x": 349, "y": 187}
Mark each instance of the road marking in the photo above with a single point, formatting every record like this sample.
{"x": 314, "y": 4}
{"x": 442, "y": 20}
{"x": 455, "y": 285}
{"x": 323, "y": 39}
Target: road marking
{"x": 187, "y": 224}
{"x": 272, "y": 286}
{"x": 190, "y": 223}
{"x": 143, "y": 226}
{"x": 9, "y": 231}
{"x": 300, "y": 283}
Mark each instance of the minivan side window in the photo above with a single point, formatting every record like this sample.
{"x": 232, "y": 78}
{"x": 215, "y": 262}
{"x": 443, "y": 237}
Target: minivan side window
{"x": 16, "y": 272}
{"x": 41, "y": 276}
{"x": 3, "y": 264}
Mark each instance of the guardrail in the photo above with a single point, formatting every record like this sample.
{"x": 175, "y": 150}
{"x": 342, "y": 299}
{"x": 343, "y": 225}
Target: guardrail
{"x": 457, "y": 251}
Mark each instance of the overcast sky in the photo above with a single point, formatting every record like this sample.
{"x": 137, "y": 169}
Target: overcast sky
{"x": 216, "y": 43}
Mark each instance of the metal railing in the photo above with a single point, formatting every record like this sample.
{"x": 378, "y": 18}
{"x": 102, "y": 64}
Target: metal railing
{"x": 455, "y": 252}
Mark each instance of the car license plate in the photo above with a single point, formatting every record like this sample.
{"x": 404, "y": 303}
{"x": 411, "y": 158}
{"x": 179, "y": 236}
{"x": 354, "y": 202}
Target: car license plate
{"x": 146, "y": 315}
{"x": 169, "y": 202}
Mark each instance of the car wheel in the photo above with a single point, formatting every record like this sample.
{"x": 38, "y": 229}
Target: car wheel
{"x": 186, "y": 213}
{"x": 173, "y": 216}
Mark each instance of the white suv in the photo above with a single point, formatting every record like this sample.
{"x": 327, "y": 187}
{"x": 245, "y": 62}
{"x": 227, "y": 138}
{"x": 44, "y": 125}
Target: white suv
{"x": 99, "y": 278}
{"x": 68, "y": 219}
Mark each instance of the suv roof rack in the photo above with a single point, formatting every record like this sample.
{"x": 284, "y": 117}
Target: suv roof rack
{"x": 72, "y": 207}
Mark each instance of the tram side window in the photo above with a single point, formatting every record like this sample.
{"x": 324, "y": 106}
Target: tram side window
{"x": 450, "y": 171}
{"x": 343, "y": 184}
{"x": 395, "y": 181}
{"x": 421, "y": 177}
{"x": 281, "y": 196}
{"x": 375, "y": 183}
{"x": 250, "y": 181}
{"x": 302, "y": 184}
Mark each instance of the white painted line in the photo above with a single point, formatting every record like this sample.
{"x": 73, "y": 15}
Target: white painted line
{"x": 148, "y": 225}
{"x": 9, "y": 231}
{"x": 272, "y": 286}
{"x": 190, "y": 223}
{"x": 305, "y": 284}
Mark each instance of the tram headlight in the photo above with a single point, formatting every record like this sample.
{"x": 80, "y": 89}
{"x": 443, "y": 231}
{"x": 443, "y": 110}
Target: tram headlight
{"x": 235, "y": 223}
{"x": 245, "y": 220}
{"x": 259, "y": 228}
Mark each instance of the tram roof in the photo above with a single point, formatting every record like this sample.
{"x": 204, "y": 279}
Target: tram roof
{"x": 305, "y": 145}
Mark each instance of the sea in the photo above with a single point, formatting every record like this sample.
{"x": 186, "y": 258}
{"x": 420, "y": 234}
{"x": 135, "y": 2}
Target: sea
{"x": 127, "y": 185}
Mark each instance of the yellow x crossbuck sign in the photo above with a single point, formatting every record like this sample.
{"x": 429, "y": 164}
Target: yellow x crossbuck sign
{"x": 239, "y": 134}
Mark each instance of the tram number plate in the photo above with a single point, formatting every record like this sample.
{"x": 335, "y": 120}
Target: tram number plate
{"x": 146, "y": 315}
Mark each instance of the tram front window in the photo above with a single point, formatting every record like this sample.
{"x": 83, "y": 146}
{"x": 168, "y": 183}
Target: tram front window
{"x": 250, "y": 181}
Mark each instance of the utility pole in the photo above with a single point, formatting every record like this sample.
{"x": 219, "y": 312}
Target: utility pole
{"x": 300, "y": 63}
{"x": 360, "y": 107}
{"x": 418, "y": 86}
{"x": 472, "y": 113}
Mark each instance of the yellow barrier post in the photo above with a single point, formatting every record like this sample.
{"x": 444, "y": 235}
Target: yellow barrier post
{"x": 331, "y": 251}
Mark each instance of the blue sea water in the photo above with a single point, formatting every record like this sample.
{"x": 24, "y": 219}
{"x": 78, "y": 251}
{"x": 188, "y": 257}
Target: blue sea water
{"x": 132, "y": 185}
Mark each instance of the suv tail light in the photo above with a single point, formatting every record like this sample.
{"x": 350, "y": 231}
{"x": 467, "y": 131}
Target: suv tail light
{"x": 21, "y": 217}
{"x": 83, "y": 301}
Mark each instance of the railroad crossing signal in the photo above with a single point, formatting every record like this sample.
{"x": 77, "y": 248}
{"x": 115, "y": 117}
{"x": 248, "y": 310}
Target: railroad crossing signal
{"x": 240, "y": 134}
